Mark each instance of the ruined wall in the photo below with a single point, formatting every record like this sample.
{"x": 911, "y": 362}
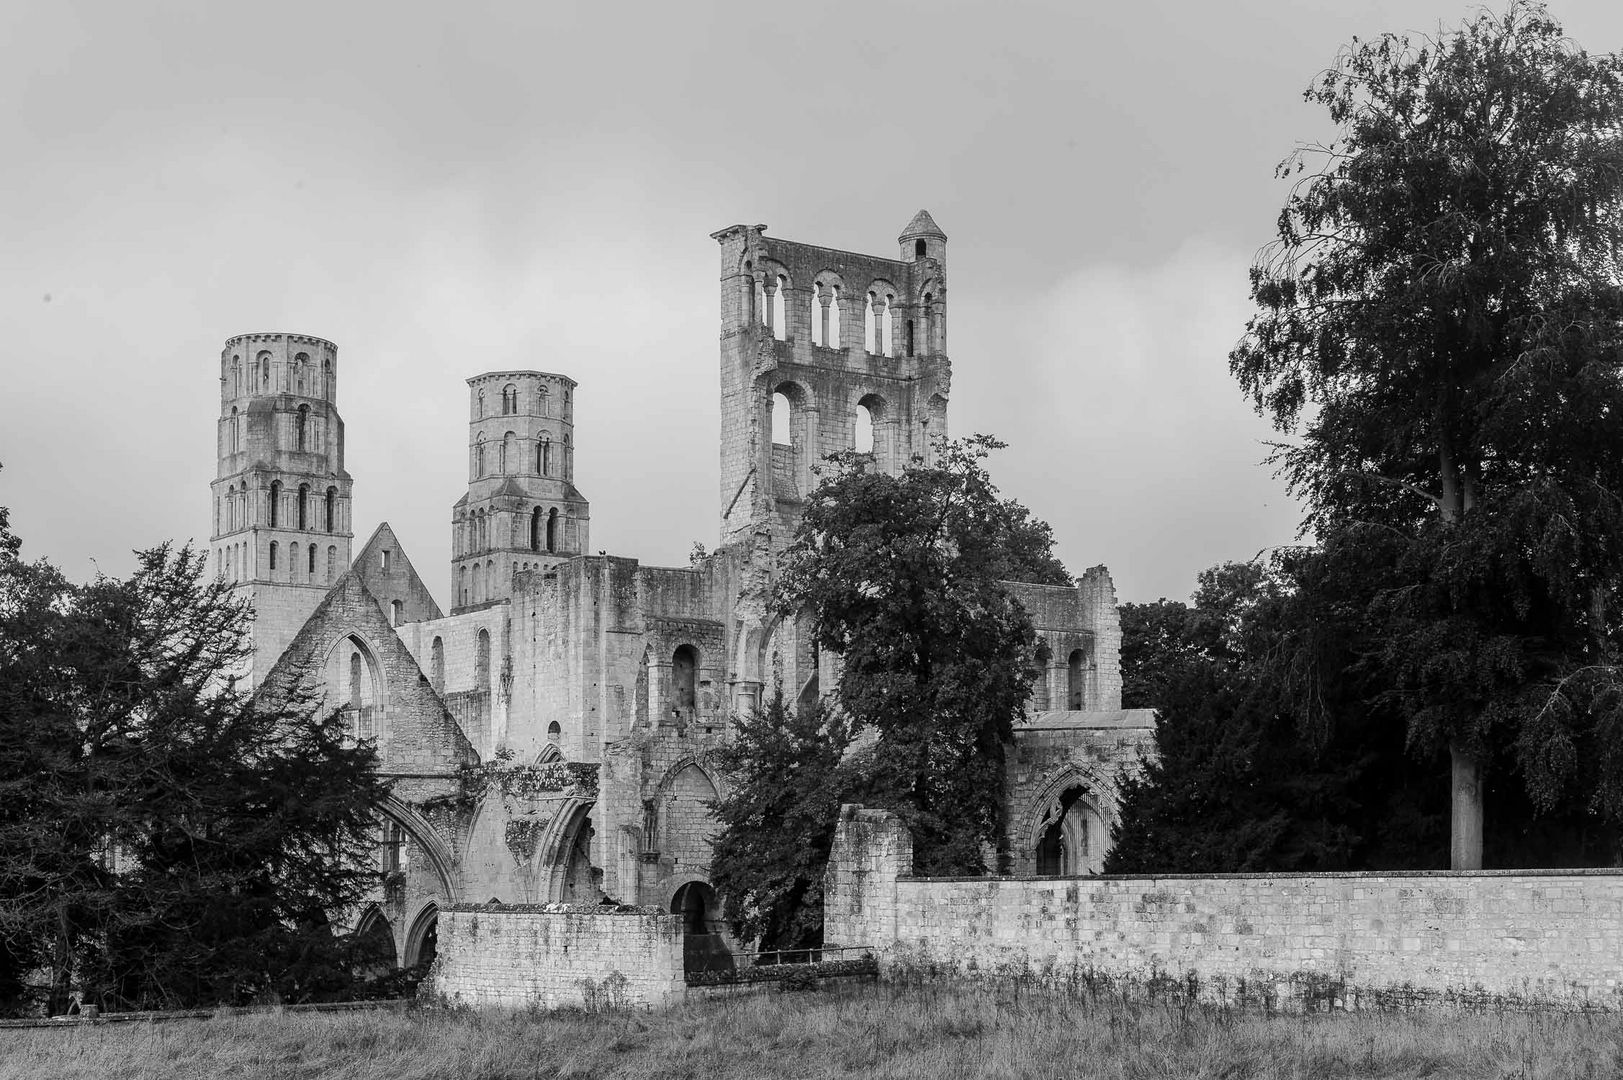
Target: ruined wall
{"x": 558, "y": 955}
{"x": 1358, "y": 940}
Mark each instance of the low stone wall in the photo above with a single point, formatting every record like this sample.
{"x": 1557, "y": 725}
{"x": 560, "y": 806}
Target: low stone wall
{"x": 1530, "y": 938}
{"x": 557, "y": 955}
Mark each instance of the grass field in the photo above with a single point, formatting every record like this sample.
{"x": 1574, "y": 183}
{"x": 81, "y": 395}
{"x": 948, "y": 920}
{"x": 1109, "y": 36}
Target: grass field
{"x": 857, "y": 1031}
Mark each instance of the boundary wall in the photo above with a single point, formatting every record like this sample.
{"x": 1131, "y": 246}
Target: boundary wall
{"x": 1353, "y": 940}
{"x": 558, "y": 955}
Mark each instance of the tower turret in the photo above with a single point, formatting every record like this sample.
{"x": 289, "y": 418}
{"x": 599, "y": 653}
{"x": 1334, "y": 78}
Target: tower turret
{"x": 522, "y": 510}
{"x": 282, "y": 527}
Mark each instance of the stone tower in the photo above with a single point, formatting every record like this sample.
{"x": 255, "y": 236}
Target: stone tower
{"x": 824, "y": 350}
{"x": 281, "y": 496}
{"x": 522, "y": 510}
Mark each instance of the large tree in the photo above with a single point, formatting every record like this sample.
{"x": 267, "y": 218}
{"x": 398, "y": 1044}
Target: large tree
{"x": 904, "y": 577}
{"x": 164, "y": 838}
{"x": 1440, "y": 320}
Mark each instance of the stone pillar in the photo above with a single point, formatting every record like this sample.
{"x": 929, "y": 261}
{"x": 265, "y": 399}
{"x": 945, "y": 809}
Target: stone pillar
{"x": 872, "y": 848}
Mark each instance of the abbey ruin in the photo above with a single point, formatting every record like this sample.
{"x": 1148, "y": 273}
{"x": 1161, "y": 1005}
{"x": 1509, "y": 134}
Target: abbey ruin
{"x": 592, "y": 691}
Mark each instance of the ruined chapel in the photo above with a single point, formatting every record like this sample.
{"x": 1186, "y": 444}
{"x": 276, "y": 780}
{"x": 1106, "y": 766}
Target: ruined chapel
{"x": 592, "y": 689}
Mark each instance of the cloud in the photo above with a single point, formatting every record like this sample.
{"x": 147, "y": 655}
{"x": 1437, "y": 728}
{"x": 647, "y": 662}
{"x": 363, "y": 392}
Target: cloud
{"x": 1127, "y": 432}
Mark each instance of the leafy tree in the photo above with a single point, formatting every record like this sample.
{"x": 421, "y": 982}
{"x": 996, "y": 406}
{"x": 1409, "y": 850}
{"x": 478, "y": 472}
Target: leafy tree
{"x": 165, "y": 839}
{"x": 1440, "y": 318}
{"x": 792, "y": 769}
{"x": 903, "y": 576}
{"x": 1241, "y": 780}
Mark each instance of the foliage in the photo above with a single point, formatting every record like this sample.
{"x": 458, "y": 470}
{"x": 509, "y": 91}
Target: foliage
{"x": 903, "y": 576}
{"x": 164, "y": 839}
{"x": 791, "y": 769}
{"x": 1440, "y": 318}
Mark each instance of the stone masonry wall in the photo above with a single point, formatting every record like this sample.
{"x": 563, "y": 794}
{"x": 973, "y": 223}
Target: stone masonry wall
{"x": 558, "y": 955}
{"x": 1549, "y": 938}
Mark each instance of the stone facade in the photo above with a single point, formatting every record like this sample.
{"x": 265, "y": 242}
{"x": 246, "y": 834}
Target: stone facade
{"x": 591, "y": 691}
{"x": 1541, "y": 938}
{"x": 558, "y": 956}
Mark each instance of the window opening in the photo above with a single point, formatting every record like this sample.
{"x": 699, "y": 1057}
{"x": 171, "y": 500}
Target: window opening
{"x": 782, "y": 416}
{"x": 275, "y": 499}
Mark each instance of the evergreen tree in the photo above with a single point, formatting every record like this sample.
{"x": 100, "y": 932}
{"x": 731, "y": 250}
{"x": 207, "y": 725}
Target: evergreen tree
{"x": 1441, "y": 319}
{"x": 164, "y": 839}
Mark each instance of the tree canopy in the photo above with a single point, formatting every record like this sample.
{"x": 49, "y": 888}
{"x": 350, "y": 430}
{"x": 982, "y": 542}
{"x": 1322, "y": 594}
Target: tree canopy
{"x": 164, "y": 839}
{"x": 1440, "y": 323}
{"x": 904, "y": 577}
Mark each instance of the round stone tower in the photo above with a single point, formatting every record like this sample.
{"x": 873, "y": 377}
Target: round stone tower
{"x": 522, "y": 510}
{"x": 281, "y": 495}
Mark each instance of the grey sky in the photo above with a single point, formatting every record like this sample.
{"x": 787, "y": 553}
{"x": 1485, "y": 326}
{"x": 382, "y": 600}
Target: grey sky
{"x": 447, "y": 189}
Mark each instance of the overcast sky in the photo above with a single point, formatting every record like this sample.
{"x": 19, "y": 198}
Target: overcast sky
{"x": 444, "y": 189}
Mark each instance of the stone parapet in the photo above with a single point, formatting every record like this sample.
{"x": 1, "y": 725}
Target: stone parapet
{"x": 1483, "y": 938}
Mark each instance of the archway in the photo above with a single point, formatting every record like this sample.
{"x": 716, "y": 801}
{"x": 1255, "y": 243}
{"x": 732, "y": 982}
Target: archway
{"x": 423, "y": 939}
{"x": 373, "y": 953}
{"x": 703, "y": 949}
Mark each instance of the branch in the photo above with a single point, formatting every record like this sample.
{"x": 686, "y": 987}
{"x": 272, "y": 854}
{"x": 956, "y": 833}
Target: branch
{"x": 1404, "y": 484}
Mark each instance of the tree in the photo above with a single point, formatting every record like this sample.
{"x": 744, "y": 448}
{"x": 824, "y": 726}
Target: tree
{"x": 903, "y": 576}
{"x": 1243, "y": 779}
{"x": 164, "y": 838}
{"x": 792, "y": 768}
{"x": 1440, "y": 317}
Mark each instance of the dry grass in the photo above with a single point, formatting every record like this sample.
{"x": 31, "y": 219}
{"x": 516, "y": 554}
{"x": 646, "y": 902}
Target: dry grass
{"x": 858, "y": 1031}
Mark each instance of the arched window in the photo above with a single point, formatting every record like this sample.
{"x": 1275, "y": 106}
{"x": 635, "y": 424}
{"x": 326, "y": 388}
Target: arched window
{"x": 236, "y": 431}
{"x": 569, "y": 458}
{"x": 463, "y": 596}
{"x": 543, "y": 456}
{"x": 481, "y": 661}
{"x": 311, "y": 570}
{"x": 819, "y": 314}
{"x": 1063, "y": 848}
{"x": 568, "y": 402}
{"x": 910, "y": 337}
{"x": 301, "y": 364}
{"x": 332, "y": 564}
{"x": 304, "y": 505}
{"x": 275, "y": 501}
{"x": 887, "y": 334}
{"x": 831, "y": 337}
{"x": 481, "y": 399}
{"x": 300, "y": 425}
{"x": 1076, "y": 674}
{"x": 436, "y": 664}
{"x": 264, "y": 372}
{"x": 397, "y": 612}
{"x": 273, "y": 555}
{"x": 863, "y": 430}
{"x": 928, "y": 345}
{"x": 535, "y": 529}
{"x": 554, "y": 733}
{"x": 479, "y": 456}
{"x": 293, "y": 562}
{"x": 684, "y": 671}
{"x": 541, "y": 401}
{"x": 782, "y": 415}
{"x": 780, "y": 308}
{"x": 870, "y": 323}
{"x": 552, "y": 529}
{"x": 332, "y": 507}
{"x": 509, "y": 453}
{"x": 918, "y": 249}
{"x": 509, "y": 399}
{"x": 236, "y": 378}
{"x": 326, "y": 378}
{"x": 478, "y": 583}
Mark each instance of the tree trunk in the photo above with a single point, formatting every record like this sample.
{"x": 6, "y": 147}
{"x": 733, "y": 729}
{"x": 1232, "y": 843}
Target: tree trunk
{"x": 1465, "y": 838}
